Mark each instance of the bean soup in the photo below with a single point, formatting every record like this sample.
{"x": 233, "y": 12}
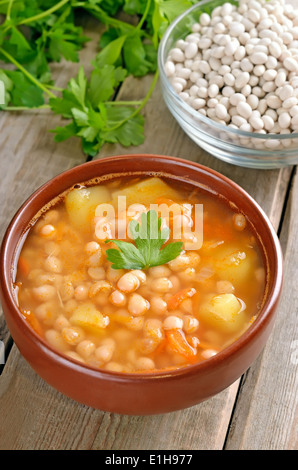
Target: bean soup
{"x": 100, "y": 286}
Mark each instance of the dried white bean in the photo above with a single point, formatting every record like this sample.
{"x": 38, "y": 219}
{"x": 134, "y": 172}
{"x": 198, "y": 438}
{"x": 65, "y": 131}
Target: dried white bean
{"x": 268, "y": 122}
{"x": 244, "y": 109}
{"x": 177, "y": 55}
{"x": 205, "y": 19}
{"x": 169, "y": 68}
{"x": 291, "y": 64}
{"x": 284, "y": 120}
{"x": 221, "y": 111}
{"x": 259, "y": 58}
{"x": 256, "y": 122}
{"x": 191, "y": 50}
{"x": 290, "y": 102}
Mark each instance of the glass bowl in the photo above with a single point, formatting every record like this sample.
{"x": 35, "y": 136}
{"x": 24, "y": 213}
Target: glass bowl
{"x": 246, "y": 149}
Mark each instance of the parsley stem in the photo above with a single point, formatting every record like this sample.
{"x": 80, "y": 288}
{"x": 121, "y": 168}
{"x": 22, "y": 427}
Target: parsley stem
{"x": 10, "y": 2}
{"x": 53, "y": 87}
{"x": 149, "y": 93}
{"x": 44, "y": 13}
{"x": 26, "y": 108}
{"x": 124, "y": 103}
{"x": 142, "y": 20}
{"x": 102, "y": 16}
{"x": 106, "y": 19}
{"x": 143, "y": 103}
{"x": 25, "y": 72}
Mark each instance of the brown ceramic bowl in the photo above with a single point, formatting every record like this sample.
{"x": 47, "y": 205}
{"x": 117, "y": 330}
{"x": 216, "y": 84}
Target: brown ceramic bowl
{"x": 156, "y": 392}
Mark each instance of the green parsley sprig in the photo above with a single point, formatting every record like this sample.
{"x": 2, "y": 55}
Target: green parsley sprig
{"x": 147, "y": 249}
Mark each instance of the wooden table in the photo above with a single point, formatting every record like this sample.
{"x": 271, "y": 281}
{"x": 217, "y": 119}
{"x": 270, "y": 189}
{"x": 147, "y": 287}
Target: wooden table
{"x": 259, "y": 411}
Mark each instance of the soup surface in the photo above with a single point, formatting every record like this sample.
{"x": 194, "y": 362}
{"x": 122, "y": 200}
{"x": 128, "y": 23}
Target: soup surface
{"x": 172, "y": 297}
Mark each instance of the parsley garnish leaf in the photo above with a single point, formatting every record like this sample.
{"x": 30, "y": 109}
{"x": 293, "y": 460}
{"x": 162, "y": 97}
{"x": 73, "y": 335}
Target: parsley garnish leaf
{"x": 127, "y": 257}
{"x": 148, "y": 250}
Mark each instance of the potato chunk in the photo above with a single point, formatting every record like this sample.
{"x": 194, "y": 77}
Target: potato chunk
{"x": 87, "y": 316}
{"x": 223, "y": 312}
{"x": 145, "y": 192}
{"x": 234, "y": 264}
{"x": 81, "y": 204}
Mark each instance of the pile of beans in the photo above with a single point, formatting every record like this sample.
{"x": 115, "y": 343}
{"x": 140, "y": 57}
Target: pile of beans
{"x": 239, "y": 67}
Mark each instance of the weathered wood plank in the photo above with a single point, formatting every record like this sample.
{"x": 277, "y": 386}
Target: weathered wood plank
{"x": 201, "y": 427}
{"x": 35, "y": 416}
{"x": 267, "y": 408}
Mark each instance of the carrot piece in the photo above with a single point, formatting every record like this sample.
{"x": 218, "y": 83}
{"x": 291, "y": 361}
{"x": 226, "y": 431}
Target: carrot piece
{"x": 23, "y": 266}
{"x": 164, "y": 200}
{"x": 159, "y": 348}
{"x": 177, "y": 298}
{"x": 178, "y": 343}
{"x": 216, "y": 230}
{"x": 196, "y": 304}
{"x": 32, "y": 321}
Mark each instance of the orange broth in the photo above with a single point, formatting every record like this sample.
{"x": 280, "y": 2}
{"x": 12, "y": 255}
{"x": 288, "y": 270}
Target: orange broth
{"x": 164, "y": 317}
